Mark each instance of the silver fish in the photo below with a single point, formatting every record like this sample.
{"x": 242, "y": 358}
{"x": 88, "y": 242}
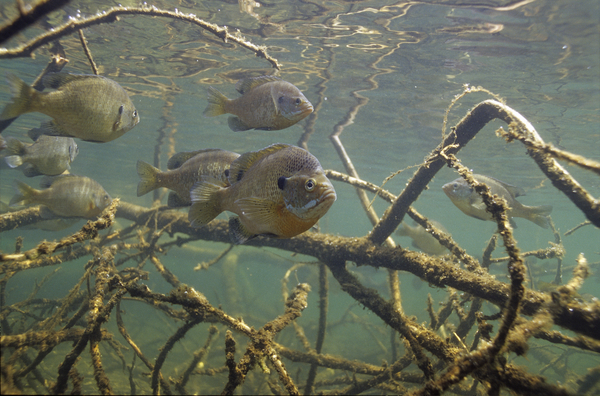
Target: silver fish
{"x": 470, "y": 203}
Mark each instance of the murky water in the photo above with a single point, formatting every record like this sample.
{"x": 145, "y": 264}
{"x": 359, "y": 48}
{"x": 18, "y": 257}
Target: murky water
{"x": 392, "y": 70}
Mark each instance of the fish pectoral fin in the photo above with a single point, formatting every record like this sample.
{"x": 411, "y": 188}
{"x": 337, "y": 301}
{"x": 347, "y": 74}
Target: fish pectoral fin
{"x": 246, "y": 160}
{"x": 246, "y": 84}
{"x": 238, "y": 232}
{"x": 258, "y": 210}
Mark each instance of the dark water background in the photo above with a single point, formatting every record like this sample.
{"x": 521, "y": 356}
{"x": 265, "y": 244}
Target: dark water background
{"x": 403, "y": 62}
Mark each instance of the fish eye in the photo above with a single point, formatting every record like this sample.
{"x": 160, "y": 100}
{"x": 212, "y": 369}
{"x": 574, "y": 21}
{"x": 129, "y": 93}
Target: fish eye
{"x": 134, "y": 113}
{"x": 106, "y": 197}
{"x": 310, "y": 185}
{"x": 281, "y": 98}
{"x": 455, "y": 185}
{"x": 281, "y": 182}
{"x": 121, "y": 108}
{"x": 298, "y": 101}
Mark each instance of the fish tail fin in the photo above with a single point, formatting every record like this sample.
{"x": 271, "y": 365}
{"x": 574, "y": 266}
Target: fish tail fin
{"x": 26, "y": 195}
{"x": 15, "y": 146}
{"x": 540, "y": 215}
{"x": 216, "y": 103}
{"x": 13, "y": 160}
{"x": 148, "y": 178}
{"x": 22, "y": 97}
{"x": 205, "y": 202}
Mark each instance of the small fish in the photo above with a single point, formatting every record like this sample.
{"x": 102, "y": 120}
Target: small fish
{"x": 185, "y": 169}
{"x": 267, "y": 103}
{"x": 470, "y": 203}
{"x": 279, "y": 191}
{"x": 88, "y": 107}
{"x": 49, "y": 155}
{"x": 66, "y": 196}
{"x": 423, "y": 240}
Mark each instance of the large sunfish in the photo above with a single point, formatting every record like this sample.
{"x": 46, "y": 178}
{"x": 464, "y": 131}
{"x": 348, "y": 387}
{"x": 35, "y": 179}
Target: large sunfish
{"x": 84, "y": 106}
{"x": 267, "y": 103}
{"x": 279, "y": 191}
{"x": 470, "y": 203}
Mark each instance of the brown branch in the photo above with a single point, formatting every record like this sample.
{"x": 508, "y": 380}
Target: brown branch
{"x": 28, "y": 17}
{"x": 112, "y": 15}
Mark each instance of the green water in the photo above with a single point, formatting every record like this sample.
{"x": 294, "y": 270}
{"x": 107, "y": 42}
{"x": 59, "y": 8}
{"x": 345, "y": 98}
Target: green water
{"x": 404, "y": 63}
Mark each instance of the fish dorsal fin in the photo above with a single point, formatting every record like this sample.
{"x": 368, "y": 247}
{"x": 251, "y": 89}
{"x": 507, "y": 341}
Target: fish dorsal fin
{"x": 246, "y": 160}
{"x": 56, "y": 80}
{"x": 513, "y": 190}
{"x": 178, "y": 159}
{"x": 246, "y": 84}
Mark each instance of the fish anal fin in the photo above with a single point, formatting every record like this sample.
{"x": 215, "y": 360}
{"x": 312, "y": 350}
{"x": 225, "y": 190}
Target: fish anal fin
{"x": 238, "y": 232}
{"x": 246, "y": 84}
{"x": 175, "y": 201}
{"x": 236, "y": 125}
{"x": 246, "y": 160}
{"x": 50, "y": 128}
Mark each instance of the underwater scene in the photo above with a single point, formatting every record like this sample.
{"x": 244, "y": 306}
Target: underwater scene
{"x": 300, "y": 197}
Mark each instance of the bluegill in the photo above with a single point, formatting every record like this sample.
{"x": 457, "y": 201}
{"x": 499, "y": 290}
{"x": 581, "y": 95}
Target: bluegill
{"x": 49, "y": 155}
{"x": 66, "y": 196}
{"x": 423, "y": 240}
{"x": 471, "y": 203}
{"x": 267, "y": 103}
{"x": 88, "y": 107}
{"x": 185, "y": 169}
{"x": 279, "y": 191}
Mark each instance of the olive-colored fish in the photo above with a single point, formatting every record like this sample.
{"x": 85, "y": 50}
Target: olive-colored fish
{"x": 267, "y": 103}
{"x": 423, "y": 240}
{"x": 470, "y": 203}
{"x": 67, "y": 196}
{"x": 279, "y": 191}
{"x": 49, "y": 155}
{"x": 185, "y": 169}
{"x": 84, "y": 106}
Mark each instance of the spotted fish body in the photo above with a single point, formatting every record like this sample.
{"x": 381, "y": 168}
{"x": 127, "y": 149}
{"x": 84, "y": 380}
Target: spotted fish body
{"x": 49, "y": 155}
{"x": 88, "y": 107}
{"x": 67, "y": 196}
{"x": 267, "y": 103}
{"x": 279, "y": 191}
{"x": 185, "y": 169}
{"x": 470, "y": 202}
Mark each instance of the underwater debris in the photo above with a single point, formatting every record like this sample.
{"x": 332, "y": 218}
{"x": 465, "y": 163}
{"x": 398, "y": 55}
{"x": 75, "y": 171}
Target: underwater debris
{"x": 35, "y": 326}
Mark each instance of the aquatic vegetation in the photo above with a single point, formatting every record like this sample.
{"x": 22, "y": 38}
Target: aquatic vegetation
{"x": 126, "y": 323}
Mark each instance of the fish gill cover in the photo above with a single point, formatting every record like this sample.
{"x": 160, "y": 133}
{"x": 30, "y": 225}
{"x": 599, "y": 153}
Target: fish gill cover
{"x": 137, "y": 301}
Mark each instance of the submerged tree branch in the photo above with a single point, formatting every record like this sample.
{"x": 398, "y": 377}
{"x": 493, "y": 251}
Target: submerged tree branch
{"x": 113, "y": 14}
